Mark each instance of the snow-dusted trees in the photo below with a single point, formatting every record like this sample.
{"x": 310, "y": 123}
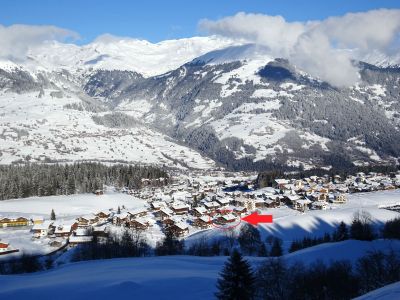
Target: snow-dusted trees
{"x": 18, "y": 181}
{"x": 52, "y": 215}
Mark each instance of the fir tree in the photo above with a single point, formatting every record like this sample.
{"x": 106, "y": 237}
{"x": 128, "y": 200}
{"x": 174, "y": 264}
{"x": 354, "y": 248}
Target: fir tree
{"x": 249, "y": 239}
{"x": 341, "y": 233}
{"x": 236, "y": 280}
{"x": 262, "y": 251}
{"x": 52, "y": 215}
{"x": 276, "y": 249}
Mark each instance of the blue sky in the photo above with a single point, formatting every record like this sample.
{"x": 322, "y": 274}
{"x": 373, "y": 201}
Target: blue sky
{"x": 157, "y": 20}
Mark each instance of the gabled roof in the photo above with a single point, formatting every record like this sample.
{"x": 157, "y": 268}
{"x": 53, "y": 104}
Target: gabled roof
{"x": 201, "y": 210}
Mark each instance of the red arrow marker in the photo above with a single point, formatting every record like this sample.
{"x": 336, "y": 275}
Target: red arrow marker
{"x": 255, "y": 218}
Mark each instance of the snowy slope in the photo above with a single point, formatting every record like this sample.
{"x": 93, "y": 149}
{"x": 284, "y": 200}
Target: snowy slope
{"x": 170, "y": 277}
{"x": 70, "y": 206}
{"x": 112, "y": 53}
{"x": 389, "y": 292}
{"x": 40, "y": 128}
{"x": 290, "y": 224}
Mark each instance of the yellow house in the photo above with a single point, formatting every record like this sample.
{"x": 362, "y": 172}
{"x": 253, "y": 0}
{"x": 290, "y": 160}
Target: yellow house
{"x": 14, "y": 222}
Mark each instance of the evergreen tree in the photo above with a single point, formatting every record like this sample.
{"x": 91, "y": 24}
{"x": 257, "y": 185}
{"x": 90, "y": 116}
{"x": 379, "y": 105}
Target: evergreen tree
{"x": 119, "y": 210}
{"x": 262, "y": 251}
{"x": 249, "y": 239}
{"x": 52, "y": 215}
{"x": 276, "y": 249}
{"x": 341, "y": 233}
{"x": 361, "y": 228}
{"x": 236, "y": 280}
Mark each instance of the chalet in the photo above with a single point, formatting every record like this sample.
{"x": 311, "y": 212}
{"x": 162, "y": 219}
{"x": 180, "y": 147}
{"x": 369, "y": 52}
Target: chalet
{"x": 339, "y": 198}
{"x": 223, "y": 201}
{"x": 139, "y": 212}
{"x": 225, "y": 219}
{"x": 212, "y": 205}
{"x": 179, "y": 229}
{"x": 164, "y": 213}
{"x": 291, "y": 199}
{"x": 199, "y": 211}
{"x": 65, "y": 230}
{"x": 280, "y": 183}
{"x": 157, "y": 205}
{"x": 44, "y": 229}
{"x": 141, "y": 224}
{"x": 302, "y": 204}
{"x": 4, "y": 247}
{"x": 270, "y": 203}
{"x": 119, "y": 219}
{"x": 168, "y": 222}
{"x": 180, "y": 208}
{"x": 13, "y": 222}
{"x": 239, "y": 210}
{"x": 100, "y": 231}
{"x": 85, "y": 221}
{"x": 103, "y": 216}
{"x": 320, "y": 205}
{"x": 203, "y": 222}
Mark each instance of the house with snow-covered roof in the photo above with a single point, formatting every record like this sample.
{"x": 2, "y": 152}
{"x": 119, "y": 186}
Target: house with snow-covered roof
{"x": 44, "y": 229}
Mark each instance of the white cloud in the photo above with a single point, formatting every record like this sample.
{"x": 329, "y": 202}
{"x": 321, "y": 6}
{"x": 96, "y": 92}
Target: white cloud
{"x": 17, "y": 39}
{"x": 320, "y": 48}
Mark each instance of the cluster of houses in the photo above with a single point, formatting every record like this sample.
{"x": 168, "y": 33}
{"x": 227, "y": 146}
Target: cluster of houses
{"x": 190, "y": 205}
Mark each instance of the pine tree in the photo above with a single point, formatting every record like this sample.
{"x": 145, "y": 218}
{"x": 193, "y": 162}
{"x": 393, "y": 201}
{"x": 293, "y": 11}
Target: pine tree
{"x": 276, "y": 249}
{"x": 236, "y": 280}
{"x": 52, "y": 215}
{"x": 249, "y": 239}
{"x": 263, "y": 250}
{"x": 119, "y": 210}
{"x": 341, "y": 233}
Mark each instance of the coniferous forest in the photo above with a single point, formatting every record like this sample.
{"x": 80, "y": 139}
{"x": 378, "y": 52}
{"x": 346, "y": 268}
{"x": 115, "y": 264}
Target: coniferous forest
{"x": 20, "y": 181}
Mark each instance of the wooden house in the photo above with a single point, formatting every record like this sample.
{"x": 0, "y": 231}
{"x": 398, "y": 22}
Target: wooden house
{"x": 179, "y": 229}
{"x": 203, "y": 222}
{"x": 319, "y": 205}
{"x": 211, "y": 206}
{"x": 180, "y": 208}
{"x": 164, "y": 213}
{"x": 139, "y": 224}
{"x": 199, "y": 211}
{"x": 225, "y": 219}
{"x": 65, "y": 230}
{"x": 139, "y": 212}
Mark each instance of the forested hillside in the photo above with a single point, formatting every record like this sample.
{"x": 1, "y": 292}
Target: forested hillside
{"x": 20, "y": 181}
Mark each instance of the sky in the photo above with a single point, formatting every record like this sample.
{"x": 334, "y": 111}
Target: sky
{"x": 157, "y": 20}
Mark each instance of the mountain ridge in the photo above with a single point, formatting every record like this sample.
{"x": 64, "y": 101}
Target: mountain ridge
{"x": 234, "y": 104}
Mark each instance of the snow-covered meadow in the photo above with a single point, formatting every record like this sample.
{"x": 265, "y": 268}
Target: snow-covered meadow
{"x": 169, "y": 277}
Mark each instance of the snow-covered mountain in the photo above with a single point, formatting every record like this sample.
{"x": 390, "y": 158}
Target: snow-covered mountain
{"x": 195, "y": 102}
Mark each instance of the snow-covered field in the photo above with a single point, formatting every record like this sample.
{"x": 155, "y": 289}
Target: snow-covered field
{"x": 171, "y": 277}
{"x": 69, "y": 206}
{"x": 389, "y": 292}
